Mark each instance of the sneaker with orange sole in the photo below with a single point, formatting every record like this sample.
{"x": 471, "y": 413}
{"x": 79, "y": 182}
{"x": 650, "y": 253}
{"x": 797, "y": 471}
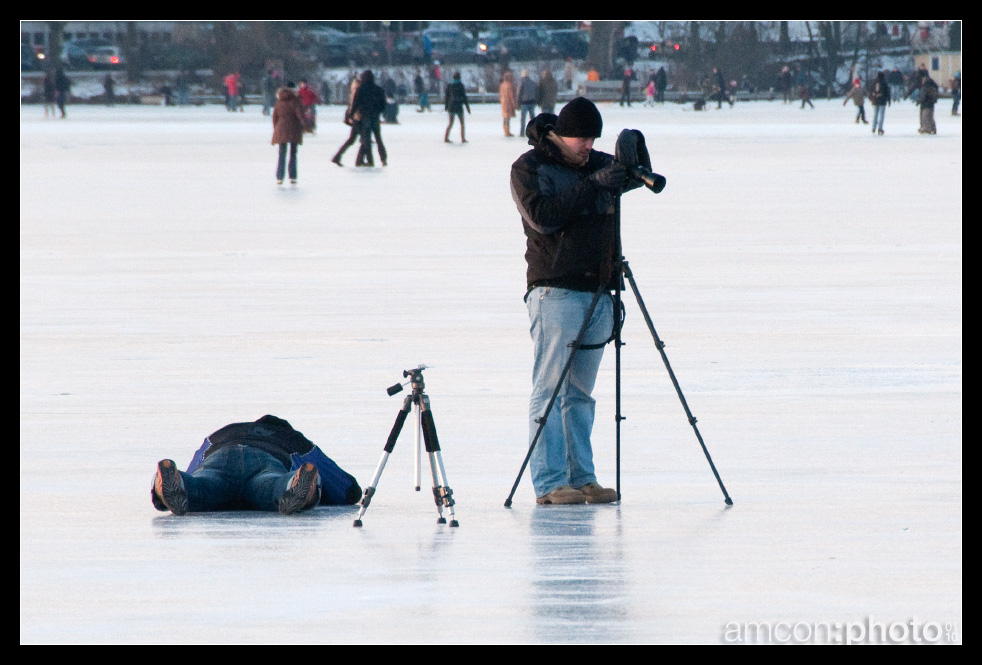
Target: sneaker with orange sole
{"x": 304, "y": 490}
{"x": 168, "y": 491}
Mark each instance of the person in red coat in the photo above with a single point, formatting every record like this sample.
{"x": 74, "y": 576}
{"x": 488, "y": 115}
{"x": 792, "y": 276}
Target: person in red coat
{"x": 233, "y": 89}
{"x": 309, "y": 101}
{"x": 289, "y": 124}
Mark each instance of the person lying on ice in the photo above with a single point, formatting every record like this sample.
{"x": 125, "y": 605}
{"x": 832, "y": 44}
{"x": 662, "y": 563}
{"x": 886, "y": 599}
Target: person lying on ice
{"x": 262, "y": 465}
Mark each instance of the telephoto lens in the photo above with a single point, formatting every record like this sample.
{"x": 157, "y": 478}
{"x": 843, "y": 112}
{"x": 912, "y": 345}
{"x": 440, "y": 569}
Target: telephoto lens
{"x": 652, "y": 181}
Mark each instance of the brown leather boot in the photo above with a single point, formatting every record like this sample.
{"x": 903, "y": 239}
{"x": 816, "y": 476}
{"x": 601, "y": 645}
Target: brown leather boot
{"x": 597, "y": 494}
{"x": 562, "y": 495}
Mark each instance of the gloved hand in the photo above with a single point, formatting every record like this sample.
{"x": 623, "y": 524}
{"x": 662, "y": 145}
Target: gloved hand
{"x": 630, "y": 149}
{"x": 613, "y": 178}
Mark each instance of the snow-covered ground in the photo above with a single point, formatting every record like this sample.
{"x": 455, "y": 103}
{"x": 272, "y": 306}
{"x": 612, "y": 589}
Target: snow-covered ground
{"x": 805, "y": 275}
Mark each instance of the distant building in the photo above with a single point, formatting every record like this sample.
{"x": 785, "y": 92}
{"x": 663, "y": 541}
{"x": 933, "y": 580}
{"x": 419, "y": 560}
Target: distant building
{"x": 941, "y": 65}
{"x": 37, "y": 34}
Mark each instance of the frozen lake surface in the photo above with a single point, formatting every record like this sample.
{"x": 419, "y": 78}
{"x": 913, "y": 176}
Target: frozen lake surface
{"x": 805, "y": 275}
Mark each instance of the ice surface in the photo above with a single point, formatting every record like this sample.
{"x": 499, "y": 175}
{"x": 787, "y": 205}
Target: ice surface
{"x": 805, "y": 275}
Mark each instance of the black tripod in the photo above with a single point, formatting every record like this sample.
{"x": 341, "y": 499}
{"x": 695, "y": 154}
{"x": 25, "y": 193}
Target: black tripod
{"x": 622, "y": 271}
{"x": 442, "y": 493}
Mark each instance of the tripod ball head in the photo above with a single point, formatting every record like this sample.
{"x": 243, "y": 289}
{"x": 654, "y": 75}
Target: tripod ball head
{"x": 415, "y": 377}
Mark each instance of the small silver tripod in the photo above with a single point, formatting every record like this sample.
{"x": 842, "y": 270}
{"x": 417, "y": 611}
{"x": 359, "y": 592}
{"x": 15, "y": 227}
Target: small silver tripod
{"x": 442, "y": 493}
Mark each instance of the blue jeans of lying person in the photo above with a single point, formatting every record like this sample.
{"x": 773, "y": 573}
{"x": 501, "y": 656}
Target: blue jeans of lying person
{"x": 237, "y": 478}
{"x": 563, "y": 454}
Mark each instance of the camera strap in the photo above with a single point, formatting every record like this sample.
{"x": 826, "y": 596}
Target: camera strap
{"x": 618, "y": 325}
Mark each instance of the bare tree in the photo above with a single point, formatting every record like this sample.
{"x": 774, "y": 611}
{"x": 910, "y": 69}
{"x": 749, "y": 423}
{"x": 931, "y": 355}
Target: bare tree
{"x": 604, "y": 38}
{"x": 784, "y": 40}
{"x": 133, "y": 49}
{"x": 832, "y": 39}
{"x": 56, "y": 30}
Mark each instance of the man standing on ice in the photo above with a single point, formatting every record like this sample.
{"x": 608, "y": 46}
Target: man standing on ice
{"x": 566, "y": 193}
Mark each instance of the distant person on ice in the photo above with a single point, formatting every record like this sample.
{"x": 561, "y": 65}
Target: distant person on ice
{"x": 565, "y": 192}
{"x": 926, "y": 99}
{"x": 455, "y": 102}
{"x": 263, "y": 465}
{"x": 509, "y": 103}
{"x": 289, "y": 123}
{"x": 879, "y": 96}
{"x": 858, "y": 97}
{"x": 368, "y": 103}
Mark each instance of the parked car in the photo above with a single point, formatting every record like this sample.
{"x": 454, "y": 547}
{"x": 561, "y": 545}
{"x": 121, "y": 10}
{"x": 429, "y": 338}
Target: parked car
{"x": 454, "y": 50}
{"x": 29, "y": 59}
{"x": 521, "y": 43}
{"x": 105, "y": 57}
{"x": 486, "y": 48}
{"x": 407, "y": 49}
{"x": 449, "y": 46}
{"x": 569, "y": 43}
{"x": 72, "y": 56}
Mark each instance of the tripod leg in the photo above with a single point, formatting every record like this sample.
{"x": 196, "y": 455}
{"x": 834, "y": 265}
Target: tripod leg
{"x": 416, "y": 455}
{"x": 442, "y": 493}
{"x": 618, "y": 305}
{"x": 559, "y": 384}
{"x": 661, "y": 349}
{"x": 407, "y": 406}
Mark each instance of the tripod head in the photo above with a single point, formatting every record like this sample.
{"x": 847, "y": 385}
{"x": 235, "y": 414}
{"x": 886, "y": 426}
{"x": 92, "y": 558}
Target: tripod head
{"x": 415, "y": 377}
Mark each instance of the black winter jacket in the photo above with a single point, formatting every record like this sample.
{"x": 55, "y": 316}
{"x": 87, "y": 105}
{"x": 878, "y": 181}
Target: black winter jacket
{"x": 455, "y": 99}
{"x": 570, "y": 224}
{"x": 369, "y": 100}
{"x": 274, "y": 435}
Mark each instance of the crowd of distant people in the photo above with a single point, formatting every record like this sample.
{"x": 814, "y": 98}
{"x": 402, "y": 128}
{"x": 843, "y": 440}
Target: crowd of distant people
{"x": 520, "y": 97}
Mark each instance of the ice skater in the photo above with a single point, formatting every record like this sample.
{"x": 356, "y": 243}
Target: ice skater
{"x": 351, "y": 119}
{"x": 368, "y": 104}
{"x": 455, "y": 101}
{"x": 263, "y": 465}
{"x": 926, "y": 99}
{"x": 63, "y": 86}
{"x": 49, "y": 93}
{"x": 509, "y": 103}
{"x": 879, "y": 97}
{"x": 858, "y": 97}
{"x": 289, "y": 124}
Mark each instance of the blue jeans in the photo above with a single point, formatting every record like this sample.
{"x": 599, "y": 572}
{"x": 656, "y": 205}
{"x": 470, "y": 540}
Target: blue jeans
{"x": 281, "y": 161}
{"x": 563, "y": 454}
{"x": 879, "y": 112}
{"x": 527, "y": 110}
{"x": 237, "y": 478}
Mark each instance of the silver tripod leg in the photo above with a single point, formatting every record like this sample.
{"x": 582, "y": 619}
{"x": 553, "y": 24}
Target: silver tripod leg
{"x": 441, "y": 489}
{"x": 390, "y": 444}
{"x": 370, "y": 490}
{"x": 442, "y": 493}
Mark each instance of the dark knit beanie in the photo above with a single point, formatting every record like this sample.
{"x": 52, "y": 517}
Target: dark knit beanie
{"x": 580, "y": 118}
